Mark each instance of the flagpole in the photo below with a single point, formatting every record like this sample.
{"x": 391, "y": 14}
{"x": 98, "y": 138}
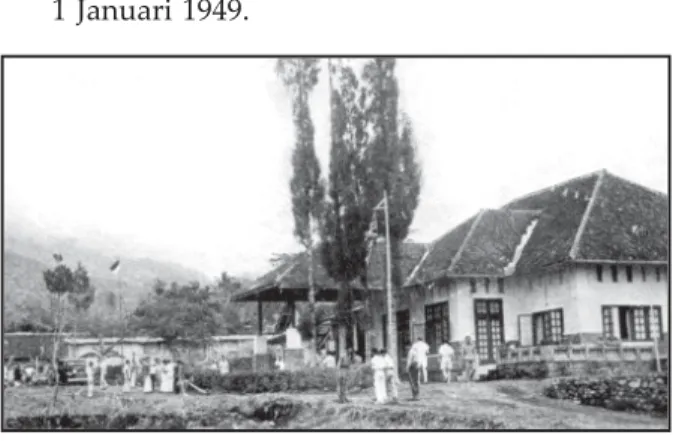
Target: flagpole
{"x": 389, "y": 282}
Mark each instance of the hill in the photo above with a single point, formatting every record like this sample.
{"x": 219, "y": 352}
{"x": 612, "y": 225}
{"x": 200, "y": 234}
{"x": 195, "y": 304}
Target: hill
{"x": 28, "y": 251}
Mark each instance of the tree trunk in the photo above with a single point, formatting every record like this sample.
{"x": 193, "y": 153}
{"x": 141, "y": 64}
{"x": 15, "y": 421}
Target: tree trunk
{"x": 54, "y": 358}
{"x": 311, "y": 293}
{"x": 392, "y": 303}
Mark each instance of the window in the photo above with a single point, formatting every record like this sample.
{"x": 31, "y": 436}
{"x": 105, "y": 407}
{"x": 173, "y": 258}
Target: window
{"x": 487, "y": 284}
{"x": 629, "y": 274}
{"x": 657, "y": 273}
{"x": 615, "y": 272}
{"x": 384, "y": 321}
{"x": 548, "y": 326}
{"x": 608, "y": 323}
{"x": 634, "y": 323}
{"x": 403, "y": 333}
{"x": 473, "y": 286}
{"x": 599, "y": 273}
{"x": 501, "y": 285}
{"x": 643, "y": 271}
{"x": 436, "y": 324}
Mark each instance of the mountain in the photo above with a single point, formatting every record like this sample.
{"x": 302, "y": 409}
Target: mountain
{"x": 28, "y": 251}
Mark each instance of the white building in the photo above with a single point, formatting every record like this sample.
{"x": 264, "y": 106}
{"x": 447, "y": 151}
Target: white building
{"x": 579, "y": 261}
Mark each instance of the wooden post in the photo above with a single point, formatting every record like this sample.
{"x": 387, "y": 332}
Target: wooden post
{"x": 260, "y": 324}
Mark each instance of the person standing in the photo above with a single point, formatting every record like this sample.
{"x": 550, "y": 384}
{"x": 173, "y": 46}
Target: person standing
{"x": 90, "y": 378}
{"x": 342, "y": 380}
{"x": 413, "y": 368}
{"x": 103, "y": 373}
{"x": 446, "y": 360}
{"x": 126, "y": 372}
{"x": 422, "y": 350}
{"x": 378, "y": 366}
{"x": 391, "y": 376}
{"x": 471, "y": 357}
{"x": 147, "y": 377}
{"x": 223, "y": 366}
{"x": 154, "y": 373}
{"x": 134, "y": 371}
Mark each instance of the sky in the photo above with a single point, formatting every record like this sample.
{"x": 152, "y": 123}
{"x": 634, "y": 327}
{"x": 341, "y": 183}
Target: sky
{"x": 189, "y": 160}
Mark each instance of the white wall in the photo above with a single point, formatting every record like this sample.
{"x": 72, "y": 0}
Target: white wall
{"x": 575, "y": 290}
{"x": 592, "y": 294}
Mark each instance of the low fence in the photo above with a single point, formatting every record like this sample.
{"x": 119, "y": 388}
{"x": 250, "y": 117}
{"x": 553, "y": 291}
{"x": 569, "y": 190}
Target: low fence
{"x": 621, "y": 351}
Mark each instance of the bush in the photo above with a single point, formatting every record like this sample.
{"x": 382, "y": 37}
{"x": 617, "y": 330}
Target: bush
{"x": 636, "y": 393}
{"x": 516, "y": 371}
{"x": 282, "y": 381}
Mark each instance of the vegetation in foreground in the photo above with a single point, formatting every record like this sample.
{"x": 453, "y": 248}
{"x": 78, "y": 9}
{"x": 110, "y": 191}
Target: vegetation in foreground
{"x": 494, "y": 405}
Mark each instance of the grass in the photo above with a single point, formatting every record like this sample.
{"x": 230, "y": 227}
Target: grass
{"x": 503, "y": 404}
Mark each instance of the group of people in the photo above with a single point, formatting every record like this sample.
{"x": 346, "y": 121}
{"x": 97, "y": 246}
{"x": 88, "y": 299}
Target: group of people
{"x": 32, "y": 373}
{"x": 386, "y": 378}
{"x": 150, "y": 374}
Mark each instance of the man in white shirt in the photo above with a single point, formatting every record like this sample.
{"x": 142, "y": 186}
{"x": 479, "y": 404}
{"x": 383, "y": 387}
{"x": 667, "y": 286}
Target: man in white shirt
{"x": 391, "y": 376}
{"x": 90, "y": 374}
{"x": 378, "y": 366}
{"x": 422, "y": 349}
{"x": 446, "y": 360}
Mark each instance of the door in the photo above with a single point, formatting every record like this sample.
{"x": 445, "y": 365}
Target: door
{"x": 488, "y": 328}
{"x": 526, "y": 330}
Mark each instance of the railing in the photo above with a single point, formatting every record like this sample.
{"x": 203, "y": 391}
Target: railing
{"x": 621, "y": 351}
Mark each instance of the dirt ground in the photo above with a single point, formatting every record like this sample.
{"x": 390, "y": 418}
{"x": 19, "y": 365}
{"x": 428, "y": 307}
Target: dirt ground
{"x": 507, "y": 404}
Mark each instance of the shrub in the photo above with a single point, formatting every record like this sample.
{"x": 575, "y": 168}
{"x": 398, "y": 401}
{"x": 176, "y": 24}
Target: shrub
{"x": 516, "y": 371}
{"x": 636, "y": 393}
{"x": 282, "y": 381}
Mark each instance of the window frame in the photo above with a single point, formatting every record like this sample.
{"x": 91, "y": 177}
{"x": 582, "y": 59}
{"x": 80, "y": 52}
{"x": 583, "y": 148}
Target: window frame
{"x": 646, "y": 322}
{"x": 435, "y": 322}
{"x": 553, "y": 327}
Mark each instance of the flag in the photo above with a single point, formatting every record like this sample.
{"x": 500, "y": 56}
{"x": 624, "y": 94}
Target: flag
{"x": 114, "y": 268}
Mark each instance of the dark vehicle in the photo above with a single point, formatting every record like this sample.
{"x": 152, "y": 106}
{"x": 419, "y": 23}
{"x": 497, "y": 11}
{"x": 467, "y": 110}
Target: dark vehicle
{"x": 74, "y": 371}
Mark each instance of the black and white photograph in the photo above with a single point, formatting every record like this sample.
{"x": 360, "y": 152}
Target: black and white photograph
{"x": 363, "y": 243}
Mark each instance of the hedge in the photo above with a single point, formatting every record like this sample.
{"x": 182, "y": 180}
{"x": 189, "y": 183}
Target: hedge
{"x": 515, "y": 371}
{"x": 282, "y": 381}
{"x": 647, "y": 394}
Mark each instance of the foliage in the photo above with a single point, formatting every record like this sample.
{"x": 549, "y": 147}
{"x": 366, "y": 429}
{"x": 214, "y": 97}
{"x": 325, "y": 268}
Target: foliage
{"x": 300, "y": 75}
{"x": 317, "y": 379}
{"x": 390, "y": 162}
{"x": 516, "y": 371}
{"x": 346, "y": 220}
{"x": 187, "y": 312}
{"x": 638, "y": 393}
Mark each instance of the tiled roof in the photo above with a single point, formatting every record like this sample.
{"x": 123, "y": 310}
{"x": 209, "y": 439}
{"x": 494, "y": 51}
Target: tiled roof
{"x": 441, "y": 252}
{"x": 491, "y": 246}
{"x": 625, "y": 222}
{"x": 562, "y": 210}
{"x": 292, "y": 274}
{"x": 593, "y": 217}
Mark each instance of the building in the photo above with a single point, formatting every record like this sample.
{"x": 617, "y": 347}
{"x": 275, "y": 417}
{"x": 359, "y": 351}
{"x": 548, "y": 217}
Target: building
{"x": 582, "y": 261}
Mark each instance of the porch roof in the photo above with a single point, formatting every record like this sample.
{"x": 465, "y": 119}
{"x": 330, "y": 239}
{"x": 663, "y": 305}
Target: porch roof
{"x": 288, "y": 281}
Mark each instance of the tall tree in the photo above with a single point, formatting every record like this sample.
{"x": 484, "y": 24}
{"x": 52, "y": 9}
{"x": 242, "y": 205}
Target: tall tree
{"x": 300, "y": 75}
{"x": 63, "y": 283}
{"x": 345, "y": 220}
{"x": 392, "y": 167}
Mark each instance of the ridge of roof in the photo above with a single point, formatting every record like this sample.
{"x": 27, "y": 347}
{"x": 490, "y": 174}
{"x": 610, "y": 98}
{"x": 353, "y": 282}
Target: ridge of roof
{"x": 412, "y": 275}
{"x": 585, "y": 217}
{"x": 469, "y": 234}
{"x": 553, "y": 186}
{"x": 518, "y": 251}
